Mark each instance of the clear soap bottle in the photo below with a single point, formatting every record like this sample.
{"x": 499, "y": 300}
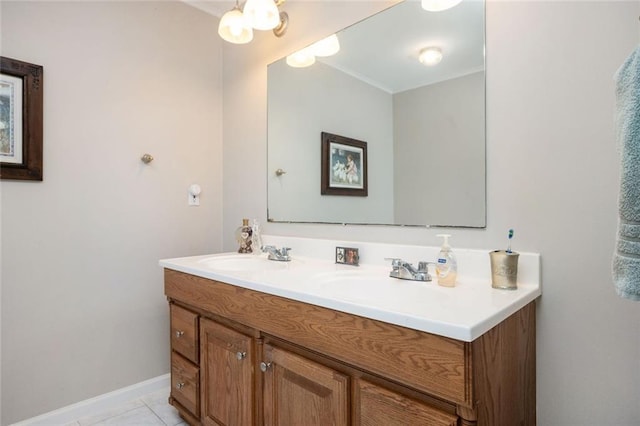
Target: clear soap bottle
{"x": 447, "y": 266}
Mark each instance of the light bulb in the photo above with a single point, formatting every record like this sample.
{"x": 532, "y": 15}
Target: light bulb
{"x": 235, "y": 30}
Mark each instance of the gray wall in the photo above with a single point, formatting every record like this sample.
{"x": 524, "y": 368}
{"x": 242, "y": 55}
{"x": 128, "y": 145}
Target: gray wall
{"x": 299, "y": 112}
{"x": 439, "y": 153}
{"x": 83, "y": 310}
{"x": 552, "y": 175}
{"x": 82, "y": 305}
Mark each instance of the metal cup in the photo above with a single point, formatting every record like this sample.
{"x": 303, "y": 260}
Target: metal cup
{"x": 504, "y": 269}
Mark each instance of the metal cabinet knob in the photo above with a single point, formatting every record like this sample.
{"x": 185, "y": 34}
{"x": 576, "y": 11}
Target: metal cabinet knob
{"x": 241, "y": 355}
{"x": 179, "y": 334}
{"x": 264, "y": 366}
{"x": 179, "y": 385}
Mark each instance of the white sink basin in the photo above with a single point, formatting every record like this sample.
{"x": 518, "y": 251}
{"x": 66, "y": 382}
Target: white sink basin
{"x": 357, "y": 286}
{"x": 353, "y": 285}
{"x": 240, "y": 262}
{"x": 348, "y": 276}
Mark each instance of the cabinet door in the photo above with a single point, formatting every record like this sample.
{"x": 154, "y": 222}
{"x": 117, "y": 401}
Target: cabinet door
{"x": 226, "y": 371}
{"x": 377, "y": 406}
{"x": 298, "y": 391}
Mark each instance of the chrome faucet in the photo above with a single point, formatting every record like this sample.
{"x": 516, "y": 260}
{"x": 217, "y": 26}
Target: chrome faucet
{"x": 406, "y": 271}
{"x": 281, "y": 255}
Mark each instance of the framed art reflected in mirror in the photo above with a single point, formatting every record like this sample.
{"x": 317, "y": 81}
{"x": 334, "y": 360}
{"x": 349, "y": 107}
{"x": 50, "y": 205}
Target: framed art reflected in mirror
{"x": 344, "y": 166}
{"x": 424, "y": 126}
{"x": 20, "y": 120}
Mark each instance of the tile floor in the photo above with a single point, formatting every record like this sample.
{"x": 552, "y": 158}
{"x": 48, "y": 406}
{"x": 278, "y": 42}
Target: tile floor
{"x": 151, "y": 409}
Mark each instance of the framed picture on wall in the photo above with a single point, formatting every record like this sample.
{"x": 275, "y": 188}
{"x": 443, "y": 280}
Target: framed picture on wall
{"x": 344, "y": 166}
{"x": 20, "y": 120}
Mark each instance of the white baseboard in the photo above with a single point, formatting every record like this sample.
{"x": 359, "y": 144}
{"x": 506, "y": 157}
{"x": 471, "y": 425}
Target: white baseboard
{"x": 73, "y": 412}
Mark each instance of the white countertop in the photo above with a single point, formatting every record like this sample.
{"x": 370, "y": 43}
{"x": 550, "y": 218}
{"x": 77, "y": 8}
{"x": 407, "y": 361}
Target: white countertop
{"x": 463, "y": 312}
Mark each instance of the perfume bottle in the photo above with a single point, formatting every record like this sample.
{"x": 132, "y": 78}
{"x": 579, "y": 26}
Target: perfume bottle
{"x": 243, "y": 236}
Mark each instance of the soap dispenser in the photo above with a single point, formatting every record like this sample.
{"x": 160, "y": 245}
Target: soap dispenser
{"x": 447, "y": 266}
{"x": 243, "y": 236}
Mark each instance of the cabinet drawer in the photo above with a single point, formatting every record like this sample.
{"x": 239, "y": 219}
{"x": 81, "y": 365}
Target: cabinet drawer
{"x": 184, "y": 332}
{"x": 185, "y": 383}
{"x": 380, "y": 406}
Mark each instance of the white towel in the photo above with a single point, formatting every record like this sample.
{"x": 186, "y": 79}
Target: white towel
{"x": 626, "y": 259}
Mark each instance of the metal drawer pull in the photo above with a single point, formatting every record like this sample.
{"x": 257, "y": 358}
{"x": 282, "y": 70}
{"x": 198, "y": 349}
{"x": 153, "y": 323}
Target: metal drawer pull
{"x": 179, "y": 385}
{"x": 241, "y": 355}
{"x": 264, "y": 366}
{"x": 179, "y": 334}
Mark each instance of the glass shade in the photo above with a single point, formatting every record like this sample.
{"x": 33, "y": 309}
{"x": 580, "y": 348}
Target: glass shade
{"x": 430, "y": 55}
{"x": 301, "y": 58}
{"x": 262, "y": 14}
{"x": 234, "y": 27}
{"x": 438, "y": 5}
{"x": 326, "y": 47}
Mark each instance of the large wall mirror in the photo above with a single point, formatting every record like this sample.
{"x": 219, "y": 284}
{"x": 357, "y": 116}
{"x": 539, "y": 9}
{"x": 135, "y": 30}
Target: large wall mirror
{"x": 424, "y": 126}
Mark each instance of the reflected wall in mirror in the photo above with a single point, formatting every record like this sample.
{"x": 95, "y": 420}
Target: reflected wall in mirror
{"x": 424, "y": 126}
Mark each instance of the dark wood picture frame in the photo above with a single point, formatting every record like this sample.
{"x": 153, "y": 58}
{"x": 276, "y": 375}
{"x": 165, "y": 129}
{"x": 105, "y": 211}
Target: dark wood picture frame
{"x": 337, "y": 176}
{"x": 30, "y": 168}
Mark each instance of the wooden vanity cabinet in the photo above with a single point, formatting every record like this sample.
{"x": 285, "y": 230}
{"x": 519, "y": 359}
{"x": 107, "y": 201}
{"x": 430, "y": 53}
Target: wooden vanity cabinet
{"x": 268, "y": 360}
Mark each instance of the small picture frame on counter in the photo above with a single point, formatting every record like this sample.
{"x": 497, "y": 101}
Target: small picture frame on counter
{"x": 347, "y": 256}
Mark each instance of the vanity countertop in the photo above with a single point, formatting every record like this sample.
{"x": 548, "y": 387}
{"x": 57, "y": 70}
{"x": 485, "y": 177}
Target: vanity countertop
{"x": 463, "y": 312}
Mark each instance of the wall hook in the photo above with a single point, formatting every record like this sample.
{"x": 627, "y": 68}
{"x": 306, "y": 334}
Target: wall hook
{"x": 280, "y": 172}
{"x": 146, "y": 158}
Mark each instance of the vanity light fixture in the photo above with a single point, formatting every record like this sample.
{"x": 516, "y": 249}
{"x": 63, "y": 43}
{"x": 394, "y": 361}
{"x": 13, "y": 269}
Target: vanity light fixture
{"x": 430, "y": 55}
{"x": 306, "y": 57}
{"x": 439, "y": 5}
{"x": 236, "y": 25}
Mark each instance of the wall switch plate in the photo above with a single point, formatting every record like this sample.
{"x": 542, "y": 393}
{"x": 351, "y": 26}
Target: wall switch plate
{"x": 194, "y": 195}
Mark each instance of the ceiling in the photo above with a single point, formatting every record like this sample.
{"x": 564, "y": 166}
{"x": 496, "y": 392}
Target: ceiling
{"x": 383, "y": 49}
{"x": 215, "y": 8}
